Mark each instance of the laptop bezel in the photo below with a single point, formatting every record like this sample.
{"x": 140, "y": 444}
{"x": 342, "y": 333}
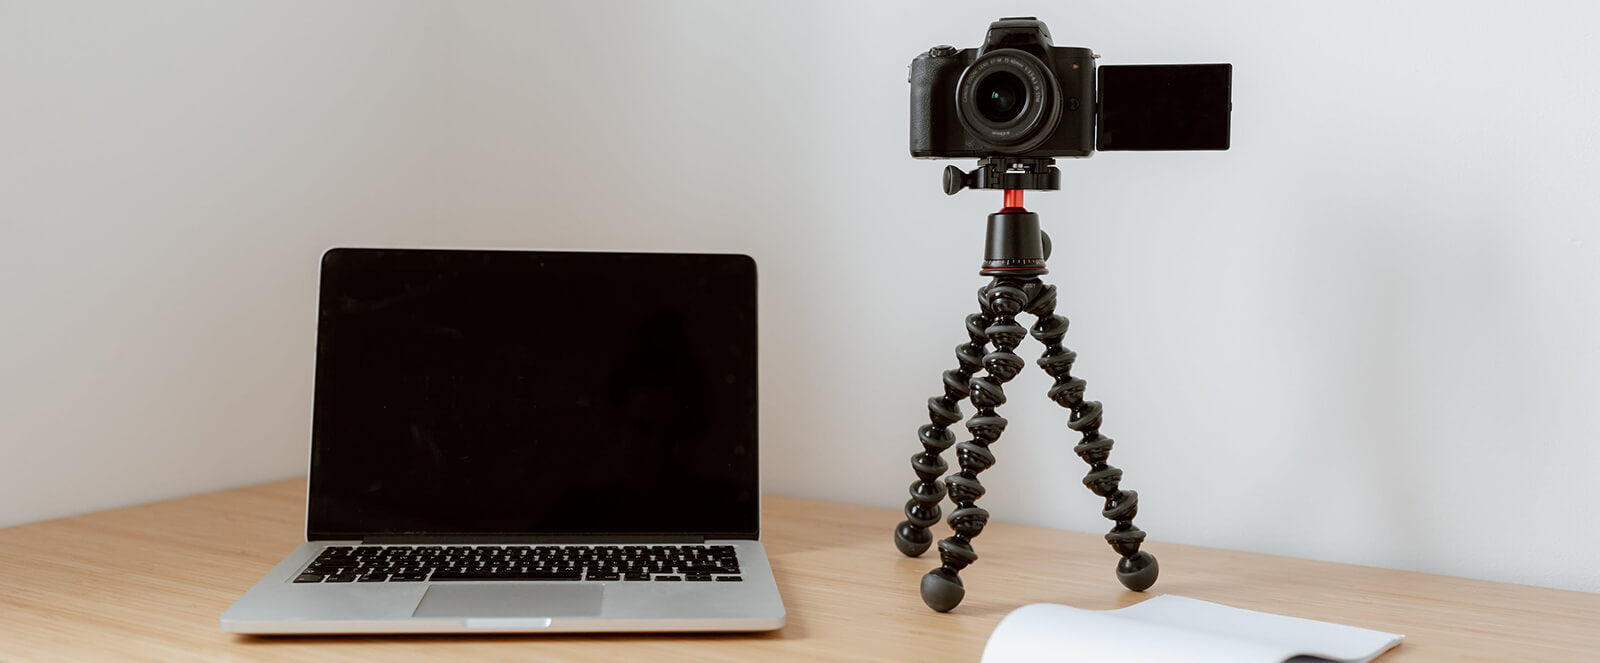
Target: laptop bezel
{"x": 313, "y": 535}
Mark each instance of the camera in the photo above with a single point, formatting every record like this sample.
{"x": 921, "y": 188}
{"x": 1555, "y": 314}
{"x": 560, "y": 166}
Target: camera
{"x": 1019, "y": 95}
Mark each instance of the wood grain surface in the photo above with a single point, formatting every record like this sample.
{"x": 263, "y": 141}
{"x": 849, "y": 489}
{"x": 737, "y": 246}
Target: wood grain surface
{"x": 149, "y": 582}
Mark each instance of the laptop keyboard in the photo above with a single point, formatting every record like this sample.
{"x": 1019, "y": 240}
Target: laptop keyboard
{"x": 692, "y": 563}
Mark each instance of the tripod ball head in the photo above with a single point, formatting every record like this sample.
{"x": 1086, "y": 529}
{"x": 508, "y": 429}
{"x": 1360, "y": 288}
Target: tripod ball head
{"x": 1014, "y": 245}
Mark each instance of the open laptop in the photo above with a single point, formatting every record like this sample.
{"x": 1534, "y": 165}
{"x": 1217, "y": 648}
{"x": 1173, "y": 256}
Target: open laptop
{"x": 517, "y": 441}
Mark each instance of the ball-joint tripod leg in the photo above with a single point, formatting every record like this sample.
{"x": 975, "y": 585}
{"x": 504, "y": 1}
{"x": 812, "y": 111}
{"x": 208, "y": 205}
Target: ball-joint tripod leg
{"x": 1137, "y": 570}
{"x": 1015, "y": 250}
{"x": 1003, "y": 299}
{"x": 911, "y": 536}
{"x": 942, "y": 588}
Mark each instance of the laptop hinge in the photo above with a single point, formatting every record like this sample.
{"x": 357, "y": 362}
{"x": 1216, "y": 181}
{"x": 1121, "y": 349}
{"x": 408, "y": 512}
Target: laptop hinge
{"x": 445, "y": 539}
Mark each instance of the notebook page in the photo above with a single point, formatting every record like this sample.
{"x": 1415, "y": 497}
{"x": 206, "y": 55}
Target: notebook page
{"x": 1173, "y": 629}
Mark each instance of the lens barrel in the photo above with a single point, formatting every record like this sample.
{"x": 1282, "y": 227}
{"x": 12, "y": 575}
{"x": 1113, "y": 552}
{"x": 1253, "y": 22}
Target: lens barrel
{"x": 1009, "y": 101}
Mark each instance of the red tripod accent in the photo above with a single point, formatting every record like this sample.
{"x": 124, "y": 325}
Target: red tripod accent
{"x": 1013, "y": 201}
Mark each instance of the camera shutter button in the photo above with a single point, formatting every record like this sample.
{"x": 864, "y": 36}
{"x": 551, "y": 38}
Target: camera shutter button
{"x": 942, "y": 51}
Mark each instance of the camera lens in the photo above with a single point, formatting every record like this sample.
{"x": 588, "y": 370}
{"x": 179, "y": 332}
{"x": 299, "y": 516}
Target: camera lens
{"x": 1008, "y": 101}
{"x": 1000, "y": 96}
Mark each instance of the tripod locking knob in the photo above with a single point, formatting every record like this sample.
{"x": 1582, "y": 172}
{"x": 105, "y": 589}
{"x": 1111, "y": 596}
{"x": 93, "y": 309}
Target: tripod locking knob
{"x": 954, "y": 180}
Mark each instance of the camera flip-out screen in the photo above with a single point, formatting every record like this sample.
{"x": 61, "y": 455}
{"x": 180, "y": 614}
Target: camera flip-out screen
{"x": 1164, "y": 106}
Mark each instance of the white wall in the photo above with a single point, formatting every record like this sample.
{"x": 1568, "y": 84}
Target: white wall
{"x": 1367, "y": 333}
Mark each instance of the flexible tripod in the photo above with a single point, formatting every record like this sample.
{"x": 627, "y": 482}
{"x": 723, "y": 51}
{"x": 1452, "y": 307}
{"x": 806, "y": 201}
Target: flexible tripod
{"x": 1014, "y": 254}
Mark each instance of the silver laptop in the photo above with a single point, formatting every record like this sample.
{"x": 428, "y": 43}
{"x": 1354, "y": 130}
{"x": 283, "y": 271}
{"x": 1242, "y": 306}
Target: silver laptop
{"x": 514, "y": 441}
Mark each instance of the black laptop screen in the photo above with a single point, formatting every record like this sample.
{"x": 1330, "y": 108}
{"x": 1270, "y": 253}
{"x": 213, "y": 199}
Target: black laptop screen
{"x": 534, "y": 393}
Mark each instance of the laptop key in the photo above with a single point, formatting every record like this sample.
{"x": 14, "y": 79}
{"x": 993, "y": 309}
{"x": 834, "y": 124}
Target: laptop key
{"x": 700, "y": 569}
{"x": 308, "y": 577}
{"x": 729, "y": 579}
{"x": 446, "y": 575}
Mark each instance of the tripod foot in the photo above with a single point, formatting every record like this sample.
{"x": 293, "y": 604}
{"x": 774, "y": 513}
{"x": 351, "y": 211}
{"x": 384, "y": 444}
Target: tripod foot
{"x": 942, "y": 589}
{"x": 912, "y": 540}
{"x": 1137, "y": 573}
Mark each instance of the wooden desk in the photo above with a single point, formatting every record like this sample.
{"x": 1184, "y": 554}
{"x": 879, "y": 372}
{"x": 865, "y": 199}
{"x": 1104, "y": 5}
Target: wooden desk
{"x": 148, "y": 583}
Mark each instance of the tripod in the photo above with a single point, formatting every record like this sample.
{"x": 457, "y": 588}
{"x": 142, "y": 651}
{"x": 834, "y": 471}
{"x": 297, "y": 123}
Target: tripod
{"x": 1014, "y": 255}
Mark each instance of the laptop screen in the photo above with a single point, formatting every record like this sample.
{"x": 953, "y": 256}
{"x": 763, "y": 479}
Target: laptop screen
{"x": 534, "y": 393}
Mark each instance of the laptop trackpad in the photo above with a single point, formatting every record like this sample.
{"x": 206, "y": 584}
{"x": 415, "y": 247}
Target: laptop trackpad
{"x": 519, "y": 599}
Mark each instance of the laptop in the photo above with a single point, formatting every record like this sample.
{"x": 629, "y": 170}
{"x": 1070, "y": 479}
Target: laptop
{"x": 528, "y": 441}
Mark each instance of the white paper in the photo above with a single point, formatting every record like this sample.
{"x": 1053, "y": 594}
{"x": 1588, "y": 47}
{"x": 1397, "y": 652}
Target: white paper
{"x": 1175, "y": 629}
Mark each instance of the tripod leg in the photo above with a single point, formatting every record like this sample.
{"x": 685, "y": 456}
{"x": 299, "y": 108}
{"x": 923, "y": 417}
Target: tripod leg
{"x": 1004, "y": 298}
{"x": 1138, "y": 569}
{"x": 911, "y": 536}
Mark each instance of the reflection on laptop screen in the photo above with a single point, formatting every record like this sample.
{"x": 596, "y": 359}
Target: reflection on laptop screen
{"x": 505, "y": 392}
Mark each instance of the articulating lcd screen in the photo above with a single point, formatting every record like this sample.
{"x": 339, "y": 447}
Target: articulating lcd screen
{"x": 534, "y": 393}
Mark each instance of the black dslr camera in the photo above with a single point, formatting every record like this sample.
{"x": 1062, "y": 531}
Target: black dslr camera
{"x": 1018, "y": 95}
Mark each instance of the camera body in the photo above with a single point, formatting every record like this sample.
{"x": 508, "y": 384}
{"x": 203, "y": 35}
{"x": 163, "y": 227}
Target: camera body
{"x": 1019, "y": 95}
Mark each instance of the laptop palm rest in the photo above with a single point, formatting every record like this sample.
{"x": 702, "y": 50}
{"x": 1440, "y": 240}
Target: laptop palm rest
{"x": 511, "y": 601}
